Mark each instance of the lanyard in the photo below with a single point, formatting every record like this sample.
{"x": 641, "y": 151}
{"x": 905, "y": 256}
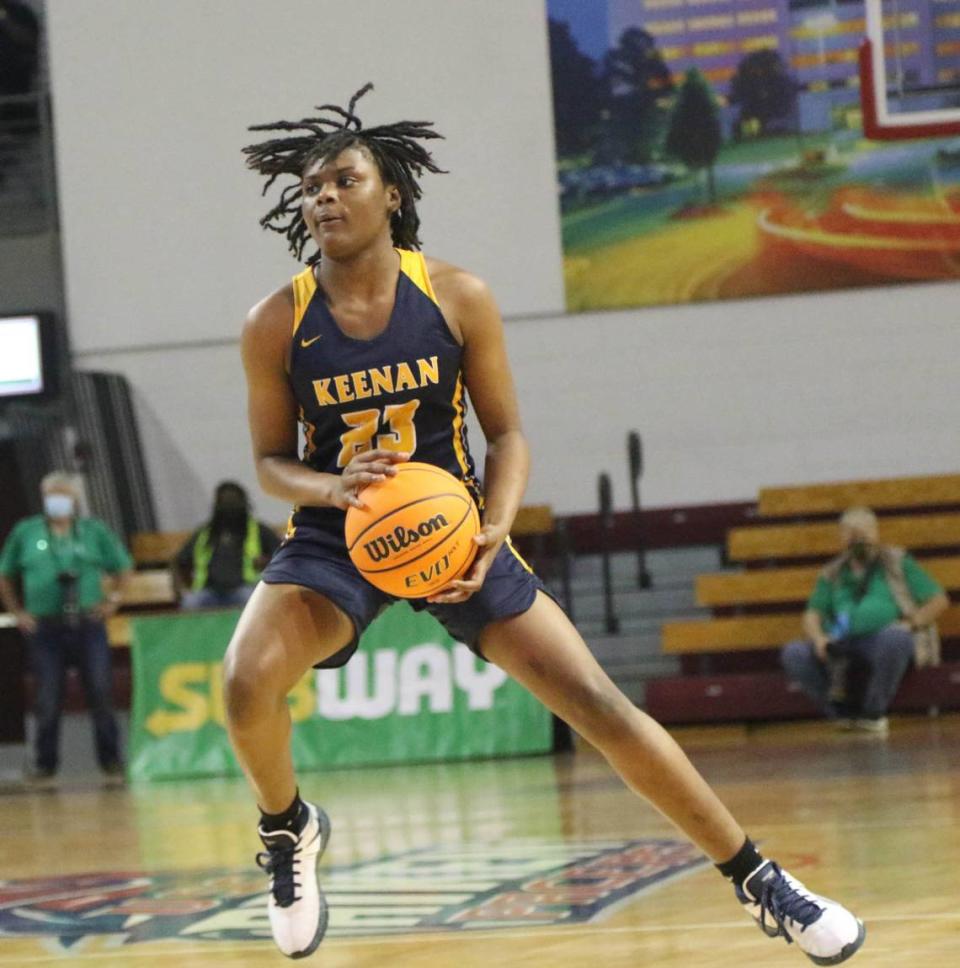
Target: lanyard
{"x": 56, "y": 543}
{"x": 862, "y": 582}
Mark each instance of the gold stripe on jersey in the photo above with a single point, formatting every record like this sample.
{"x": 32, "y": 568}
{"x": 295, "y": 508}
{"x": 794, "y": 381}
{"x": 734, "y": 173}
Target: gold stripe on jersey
{"x": 304, "y": 286}
{"x": 414, "y": 267}
{"x": 458, "y": 413}
{"x": 309, "y": 432}
{"x": 517, "y": 555}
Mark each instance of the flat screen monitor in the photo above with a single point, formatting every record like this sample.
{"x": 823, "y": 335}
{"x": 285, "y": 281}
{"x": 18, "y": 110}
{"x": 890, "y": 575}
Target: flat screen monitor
{"x": 26, "y": 360}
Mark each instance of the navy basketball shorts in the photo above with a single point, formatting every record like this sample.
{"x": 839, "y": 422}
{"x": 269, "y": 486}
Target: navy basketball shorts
{"x": 315, "y": 559}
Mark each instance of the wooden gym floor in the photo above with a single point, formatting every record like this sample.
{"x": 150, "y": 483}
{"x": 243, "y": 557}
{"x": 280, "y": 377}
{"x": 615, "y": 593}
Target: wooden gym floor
{"x": 539, "y": 861}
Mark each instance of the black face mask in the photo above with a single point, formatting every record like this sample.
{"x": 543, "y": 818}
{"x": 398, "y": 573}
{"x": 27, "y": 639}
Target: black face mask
{"x": 232, "y": 517}
{"x": 861, "y": 551}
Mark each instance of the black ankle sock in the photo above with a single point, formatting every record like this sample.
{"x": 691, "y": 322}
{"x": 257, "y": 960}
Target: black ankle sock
{"x": 743, "y": 863}
{"x": 287, "y": 820}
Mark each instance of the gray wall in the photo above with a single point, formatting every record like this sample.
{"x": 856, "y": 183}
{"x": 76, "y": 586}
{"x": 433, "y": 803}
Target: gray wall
{"x": 30, "y": 273}
{"x": 163, "y": 258}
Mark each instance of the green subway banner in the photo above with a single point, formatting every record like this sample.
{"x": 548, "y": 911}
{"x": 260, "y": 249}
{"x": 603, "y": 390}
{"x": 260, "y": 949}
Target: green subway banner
{"x": 411, "y": 693}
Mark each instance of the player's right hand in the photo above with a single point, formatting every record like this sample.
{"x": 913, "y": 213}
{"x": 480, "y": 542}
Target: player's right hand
{"x": 369, "y": 467}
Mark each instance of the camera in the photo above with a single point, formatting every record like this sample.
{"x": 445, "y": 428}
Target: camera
{"x": 69, "y": 595}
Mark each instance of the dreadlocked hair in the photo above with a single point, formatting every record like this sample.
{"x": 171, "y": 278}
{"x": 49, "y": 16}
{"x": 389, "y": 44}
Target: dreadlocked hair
{"x": 394, "y": 149}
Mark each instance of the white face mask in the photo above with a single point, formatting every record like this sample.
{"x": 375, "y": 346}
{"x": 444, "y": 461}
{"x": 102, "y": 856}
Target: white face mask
{"x": 58, "y": 505}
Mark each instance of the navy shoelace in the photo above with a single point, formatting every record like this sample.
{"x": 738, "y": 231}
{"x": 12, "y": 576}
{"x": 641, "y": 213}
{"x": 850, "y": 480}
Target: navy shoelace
{"x": 278, "y": 863}
{"x": 784, "y": 901}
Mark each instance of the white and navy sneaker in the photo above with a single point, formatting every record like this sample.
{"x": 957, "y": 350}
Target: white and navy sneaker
{"x": 782, "y": 907}
{"x": 297, "y": 907}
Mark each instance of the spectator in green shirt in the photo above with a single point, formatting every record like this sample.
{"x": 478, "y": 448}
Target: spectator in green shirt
{"x": 872, "y": 611}
{"x": 72, "y": 571}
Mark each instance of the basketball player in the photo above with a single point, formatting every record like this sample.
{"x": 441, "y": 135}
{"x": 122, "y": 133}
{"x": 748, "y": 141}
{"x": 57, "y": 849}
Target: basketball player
{"x": 370, "y": 351}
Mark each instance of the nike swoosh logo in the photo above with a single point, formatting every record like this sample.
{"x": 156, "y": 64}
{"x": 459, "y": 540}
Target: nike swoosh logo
{"x": 308, "y": 342}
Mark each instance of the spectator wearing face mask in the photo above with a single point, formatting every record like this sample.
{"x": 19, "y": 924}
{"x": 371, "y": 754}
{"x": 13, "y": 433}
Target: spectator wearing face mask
{"x": 872, "y": 612}
{"x": 71, "y": 570}
{"x": 221, "y": 563}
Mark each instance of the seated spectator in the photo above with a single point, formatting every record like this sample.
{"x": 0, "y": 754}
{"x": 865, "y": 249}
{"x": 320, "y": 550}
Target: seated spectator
{"x": 873, "y": 610}
{"x": 72, "y": 570}
{"x": 221, "y": 563}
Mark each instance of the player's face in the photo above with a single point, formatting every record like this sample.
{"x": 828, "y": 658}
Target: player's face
{"x": 345, "y": 203}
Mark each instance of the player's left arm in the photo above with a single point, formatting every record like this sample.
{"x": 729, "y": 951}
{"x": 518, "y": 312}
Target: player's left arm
{"x": 473, "y": 312}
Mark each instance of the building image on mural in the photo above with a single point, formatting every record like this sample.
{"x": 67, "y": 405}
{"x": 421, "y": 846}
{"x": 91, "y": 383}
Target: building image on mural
{"x": 712, "y": 149}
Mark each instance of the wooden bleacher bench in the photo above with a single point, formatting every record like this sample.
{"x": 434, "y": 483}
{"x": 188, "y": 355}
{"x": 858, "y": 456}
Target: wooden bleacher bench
{"x": 755, "y": 632}
{"x": 729, "y": 664}
{"x": 156, "y": 547}
{"x": 153, "y": 548}
{"x": 939, "y": 490}
{"x": 118, "y": 631}
{"x": 823, "y": 540}
{"x": 150, "y": 587}
{"x": 792, "y": 584}
{"x": 147, "y": 591}
{"x": 534, "y": 519}
{"x": 766, "y": 696}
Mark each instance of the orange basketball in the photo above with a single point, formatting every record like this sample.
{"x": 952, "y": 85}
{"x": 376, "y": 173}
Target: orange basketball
{"x": 416, "y": 533}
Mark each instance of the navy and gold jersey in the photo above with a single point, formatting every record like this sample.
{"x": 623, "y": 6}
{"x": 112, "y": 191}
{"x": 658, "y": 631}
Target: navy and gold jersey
{"x": 402, "y": 390}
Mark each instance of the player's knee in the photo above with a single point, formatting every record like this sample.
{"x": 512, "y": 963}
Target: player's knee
{"x": 239, "y": 694}
{"x": 601, "y": 710}
{"x": 247, "y": 691}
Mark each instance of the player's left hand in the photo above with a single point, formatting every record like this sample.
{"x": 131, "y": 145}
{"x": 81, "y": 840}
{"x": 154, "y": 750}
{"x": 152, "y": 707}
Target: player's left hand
{"x": 488, "y": 541}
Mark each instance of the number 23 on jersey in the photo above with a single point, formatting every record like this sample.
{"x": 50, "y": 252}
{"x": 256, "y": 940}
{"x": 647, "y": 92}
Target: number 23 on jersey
{"x": 399, "y": 434}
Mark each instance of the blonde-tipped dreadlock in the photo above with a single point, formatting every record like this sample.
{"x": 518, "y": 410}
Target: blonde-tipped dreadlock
{"x": 393, "y": 147}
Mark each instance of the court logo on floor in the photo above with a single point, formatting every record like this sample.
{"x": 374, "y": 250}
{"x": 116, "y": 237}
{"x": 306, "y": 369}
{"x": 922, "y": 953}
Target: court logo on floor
{"x": 507, "y": 885}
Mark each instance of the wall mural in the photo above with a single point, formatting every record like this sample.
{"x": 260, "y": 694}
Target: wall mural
{"x": 713, "y": 149}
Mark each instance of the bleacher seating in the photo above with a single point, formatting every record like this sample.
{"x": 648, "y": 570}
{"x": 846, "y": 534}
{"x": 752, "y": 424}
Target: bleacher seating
{"x": 743, "y": 621}
{"x": 941, "y": 490}
{"x": 756, "y": 632}
{"x": 156, "y": 548}
{"x": 150, "y": 588}
{"x": 822, "y": 540}
{"x": 533, "y": 519}
{"x": 777, "y": 585}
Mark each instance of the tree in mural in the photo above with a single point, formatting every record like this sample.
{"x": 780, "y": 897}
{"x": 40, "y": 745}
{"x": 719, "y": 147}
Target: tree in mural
{"x": 764, "y": 90}
{"x": 694, "y": 134}
{"x": 638, "y": 80}
{"x": 578, "y": 92}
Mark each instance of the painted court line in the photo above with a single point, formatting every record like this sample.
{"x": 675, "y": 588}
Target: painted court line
{"x": 556, "y": 933}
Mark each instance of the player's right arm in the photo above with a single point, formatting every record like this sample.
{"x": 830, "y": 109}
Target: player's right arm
{"x": 272, "y": 414}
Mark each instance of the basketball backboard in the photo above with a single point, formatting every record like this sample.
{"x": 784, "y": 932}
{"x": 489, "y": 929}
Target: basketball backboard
{"x": 910, "y": 69}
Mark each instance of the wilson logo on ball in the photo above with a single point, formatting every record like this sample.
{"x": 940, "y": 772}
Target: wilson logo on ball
{"x": 415, "y": 533}
{"x": 380, "y": 549}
